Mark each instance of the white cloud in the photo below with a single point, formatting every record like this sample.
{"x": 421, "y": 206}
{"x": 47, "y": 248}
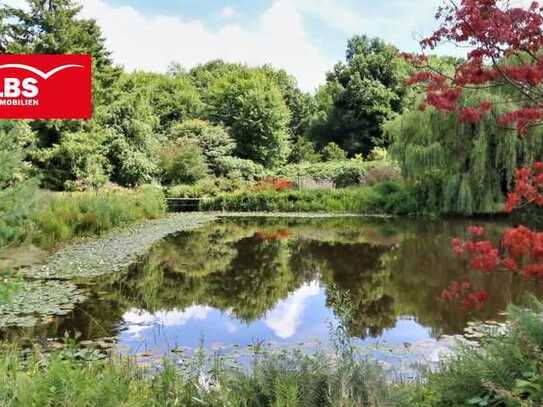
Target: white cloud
{"x": 151, "y": 42}
{"x": 340, "y": 17}
{"x": 401, "y": 22}
{"x": 228, "y": 12}
{"x": 138, "y": 320}
{"x": 285, "y": 317}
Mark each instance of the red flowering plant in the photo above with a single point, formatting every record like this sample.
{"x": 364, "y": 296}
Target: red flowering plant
{"x": 272, "y": 236}
{"x": 465, "y": 295}
{"x": 505, "y": 45}
{"x": 520, "y": 251}
{"x": 274, "y": 184}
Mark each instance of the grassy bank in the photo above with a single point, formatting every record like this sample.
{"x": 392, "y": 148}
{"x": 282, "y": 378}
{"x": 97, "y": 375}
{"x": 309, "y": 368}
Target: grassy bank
{"x": 60, "y": 217}
{"x": 293, "y": 380}
{"x": 385, "y": 198}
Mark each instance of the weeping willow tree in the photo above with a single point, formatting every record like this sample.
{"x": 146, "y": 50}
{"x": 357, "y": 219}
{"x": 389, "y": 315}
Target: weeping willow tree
{"x": 459, "y": 167}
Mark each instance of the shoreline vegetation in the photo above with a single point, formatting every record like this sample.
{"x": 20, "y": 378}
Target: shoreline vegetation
{"x": 501, "y": 370}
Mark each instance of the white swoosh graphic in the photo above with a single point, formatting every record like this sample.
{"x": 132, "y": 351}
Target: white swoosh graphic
{"x": 41, "y": 74}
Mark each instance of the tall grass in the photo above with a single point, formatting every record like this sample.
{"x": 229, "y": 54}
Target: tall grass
{"x": 64, "y": 216}
{"x": 385, "y": 198}
{"x": 505, "y": 371}
{"x": 289, "y": 380}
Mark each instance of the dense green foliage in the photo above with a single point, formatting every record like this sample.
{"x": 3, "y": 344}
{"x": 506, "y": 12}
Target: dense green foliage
{"x": 182, "y": 162}
{"x": 302, "y": 151}
{"x": 385, "y": 198}
{"x": 359, "y": 96}
{"x": 333, "y": 152}
{"x": 505, "y": 371}
{"x": 460, "y": 167}
{"x": 257, "y": 115}
{"x": 17, "y": 187}
{"x": 241, "y": 117}
{"x": 214, "y": 141}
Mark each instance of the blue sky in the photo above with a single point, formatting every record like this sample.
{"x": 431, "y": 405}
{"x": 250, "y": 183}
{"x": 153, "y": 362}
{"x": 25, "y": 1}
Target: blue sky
{"x": 305, "y": 37}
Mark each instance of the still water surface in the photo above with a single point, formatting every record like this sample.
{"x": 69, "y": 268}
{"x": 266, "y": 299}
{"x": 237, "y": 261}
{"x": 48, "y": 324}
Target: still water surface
{"x": 241, "y": 280}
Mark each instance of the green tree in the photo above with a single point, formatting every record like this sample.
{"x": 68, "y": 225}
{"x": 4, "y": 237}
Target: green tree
{"x": 214, "y": 140}
{"x": 132, "y": 140}
{"x": 359, "y": 96}
{"x": 76, "y": 163}
{"x": 182, "y": 162}
{"x": 18, "y": 187}
{"x": 333, "y": 152}
{"x": 54, "y": 27}
{"x": 255, "y": 111}
{"x": 460, "y": 167}
{"x": 204, "y": 76}
{"x": 303, "y": 150}
{"x": 300, "y": 104}
{"x": 173, "y": 98}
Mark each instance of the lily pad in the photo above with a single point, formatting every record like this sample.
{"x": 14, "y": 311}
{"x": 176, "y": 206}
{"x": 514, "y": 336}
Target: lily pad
{"x": 37, "y": 301}
{"x": 113, "y": 252}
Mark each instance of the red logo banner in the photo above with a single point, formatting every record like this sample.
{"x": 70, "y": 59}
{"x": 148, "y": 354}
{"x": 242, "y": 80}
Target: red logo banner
{"x": 45, "y": 87}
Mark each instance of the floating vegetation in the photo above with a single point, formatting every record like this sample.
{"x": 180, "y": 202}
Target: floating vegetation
{"x": 114, "y": 252}
{"x": 37, "y": 300}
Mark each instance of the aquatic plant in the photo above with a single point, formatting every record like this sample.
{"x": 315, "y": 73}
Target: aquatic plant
{"x": 35, "y": 300}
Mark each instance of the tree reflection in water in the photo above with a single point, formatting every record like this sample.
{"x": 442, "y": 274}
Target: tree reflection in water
{"x": 245, "y": 267}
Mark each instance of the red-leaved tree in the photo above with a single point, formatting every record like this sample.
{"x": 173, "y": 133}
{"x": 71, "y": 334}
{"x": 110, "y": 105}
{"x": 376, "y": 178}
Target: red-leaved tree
{"x": 504, "y": 45}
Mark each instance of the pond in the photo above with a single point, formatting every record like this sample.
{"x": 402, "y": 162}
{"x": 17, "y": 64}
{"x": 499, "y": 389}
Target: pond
{"x": 240, "y": 280}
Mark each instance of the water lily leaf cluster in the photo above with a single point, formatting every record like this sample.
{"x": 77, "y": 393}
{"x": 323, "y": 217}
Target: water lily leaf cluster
{"x": 39, "y": 299}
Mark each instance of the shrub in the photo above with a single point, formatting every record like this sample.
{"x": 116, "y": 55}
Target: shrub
{"x": 333, "y": 152}
{"x": 233, "y": 167}
{"x": 182, "y": 162}
{"x": 17, "y": 190}
{"x": 387, "y": 199}
{"x": 77, "y": 163}
{"x": 207, "y": 187}
{"x": 273, "y": 184}
{"x": 349, "y": 176}
{"x": 378, "y": 154}
{"x": 505, "y": 370}
{"x": 327, "y": 171}
{"x": 380, "y": 173}
{"x": 303, "y": 151}
{"x": 214, "y": 140}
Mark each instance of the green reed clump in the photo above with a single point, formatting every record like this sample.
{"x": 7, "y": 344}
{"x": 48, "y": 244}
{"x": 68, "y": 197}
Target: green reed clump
{"x": 505, "y": 371}
{"x": 385, "y": 198}
{"x": 289, "y": 379}
{"x": 64, "y": 216}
